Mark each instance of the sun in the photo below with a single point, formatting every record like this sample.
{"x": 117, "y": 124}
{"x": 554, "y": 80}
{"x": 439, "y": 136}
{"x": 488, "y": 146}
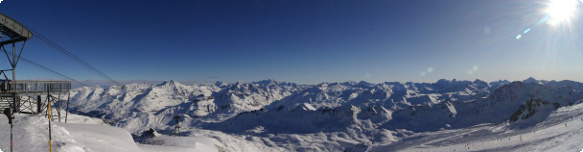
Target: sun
{"x": 560, "y": 11}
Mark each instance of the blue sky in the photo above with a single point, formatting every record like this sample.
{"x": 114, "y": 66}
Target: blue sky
{"x": 301, "y": 41}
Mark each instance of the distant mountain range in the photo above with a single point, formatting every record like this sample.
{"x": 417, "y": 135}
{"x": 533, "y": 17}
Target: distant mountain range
{"x": 270, "y": 107}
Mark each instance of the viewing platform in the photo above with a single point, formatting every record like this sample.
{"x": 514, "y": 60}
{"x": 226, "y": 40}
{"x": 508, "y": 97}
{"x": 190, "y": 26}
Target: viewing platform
{"x": 32, "y": 87}
{"x": 29, "y": 94}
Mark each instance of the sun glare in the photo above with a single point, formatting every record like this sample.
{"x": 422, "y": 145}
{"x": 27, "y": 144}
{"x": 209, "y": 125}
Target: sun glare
{"x": 560, "y": 11}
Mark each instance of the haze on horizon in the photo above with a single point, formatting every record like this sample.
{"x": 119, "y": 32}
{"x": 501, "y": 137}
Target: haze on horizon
{"x": 305, "y": 42}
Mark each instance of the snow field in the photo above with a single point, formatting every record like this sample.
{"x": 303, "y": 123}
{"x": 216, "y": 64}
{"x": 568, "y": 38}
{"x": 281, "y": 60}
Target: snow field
{"x": 549, "y": 135}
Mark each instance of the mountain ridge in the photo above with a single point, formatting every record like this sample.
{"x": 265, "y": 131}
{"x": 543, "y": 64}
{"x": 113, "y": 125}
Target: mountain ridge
{"x": 221, "y": 101}
{"x": 357, "y": 111}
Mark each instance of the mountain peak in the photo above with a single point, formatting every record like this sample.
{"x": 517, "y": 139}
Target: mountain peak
{"x": 170, "y": 83}
{"x": 364, "y": 83}
{"x": 221, "y": 84}
{"x": 530, "y": 80}
{"x": 443, "y": 81}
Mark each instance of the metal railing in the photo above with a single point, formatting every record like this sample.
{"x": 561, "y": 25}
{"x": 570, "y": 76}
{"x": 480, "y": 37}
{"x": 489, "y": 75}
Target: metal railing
{"x": 31, "y": 86}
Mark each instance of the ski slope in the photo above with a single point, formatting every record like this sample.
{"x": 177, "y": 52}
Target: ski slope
{"x": 98, "y": 138}
{"x": 561, "y": 131}
{"x": 85, "y": 134}
{"x": 31, "y": 134}
{"x": 275, "y": 116}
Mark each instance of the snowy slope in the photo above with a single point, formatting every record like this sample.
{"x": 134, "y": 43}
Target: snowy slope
{"x": 182, "y": 144}
{"x": 561, "y": 131}
{"x": 85, "y": 134}
{"x": 31, "y": 134}
{"x": 98, "y": 138}
{"x": 353, "y": 116}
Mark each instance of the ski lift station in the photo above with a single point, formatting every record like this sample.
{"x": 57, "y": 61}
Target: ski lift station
{"x": 24, "y": 96}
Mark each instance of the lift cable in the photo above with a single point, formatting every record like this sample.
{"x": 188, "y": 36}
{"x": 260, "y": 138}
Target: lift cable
{"x": 48, "y": 69}
{"x": 74, "y": 57}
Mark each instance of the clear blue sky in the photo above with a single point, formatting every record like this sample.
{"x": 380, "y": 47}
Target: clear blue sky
{"x": 301, "y": 41}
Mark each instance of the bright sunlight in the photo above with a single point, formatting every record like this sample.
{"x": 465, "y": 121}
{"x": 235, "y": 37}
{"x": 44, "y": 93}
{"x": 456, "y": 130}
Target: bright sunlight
{"x": 561, "y": 11}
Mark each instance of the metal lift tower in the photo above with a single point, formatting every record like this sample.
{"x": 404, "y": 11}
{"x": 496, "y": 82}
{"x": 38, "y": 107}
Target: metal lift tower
{"x": 24, "y": 96}
{"x": 20, "y": 96}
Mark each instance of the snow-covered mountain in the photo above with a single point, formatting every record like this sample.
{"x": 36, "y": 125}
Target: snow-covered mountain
{"x": 361, "y": 113}
{"x": 139, "y": 106}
